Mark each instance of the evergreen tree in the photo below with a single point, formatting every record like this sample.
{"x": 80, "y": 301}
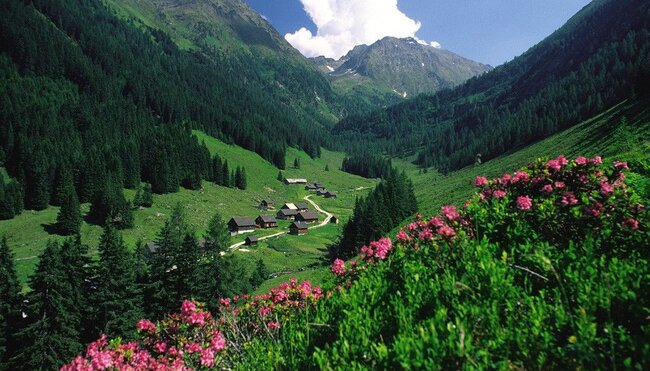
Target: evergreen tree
{"x": 296, "y": 163}
{"x": 51, "y": 335}
{"x": 117, "y": 299}
{"x": 240, "y": 178}
{"x": 217, "y": 237}
{"x": 217, "y": 170}
{"x": 78, "y": 267}
{"x": 280, "y": 177}
{"x": 260, "y": 274}
{"x": 327, "y": 167}
{"x": 174, "y": 266}
{"x": 62, "y": 185}
{"x": 225, "y": 174}
{"x": 68, "y": 220}
{"x": 137, "y": 199}
{"x": 9, "y": 304}
{"x": 11, "y": 199}
{"x": 110, "y": 204}
{"x": 147, "y": 196}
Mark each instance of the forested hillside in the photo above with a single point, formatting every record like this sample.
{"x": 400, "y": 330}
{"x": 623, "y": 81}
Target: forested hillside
{"x": 89, "y": 94}
{"x": 596, "y": 60}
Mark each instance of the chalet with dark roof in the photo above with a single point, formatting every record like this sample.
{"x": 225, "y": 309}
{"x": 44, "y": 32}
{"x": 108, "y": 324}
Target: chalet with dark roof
{"x": 307, "y": 217}
{"x": 321, "y": 191}
{"x": 330, "y": 194}
{"x": 302, "y": 206}
{"x": 241, "y": 224}
{"x": 150, "y": 248}
{"x": 266, "y": 221}
{"x": 266, "y": 205}
{"x": 298, "y": 228}
{"x": 287, "y": 214}
{"x": 251, "y": 240}
{"x": 311, "y": 187}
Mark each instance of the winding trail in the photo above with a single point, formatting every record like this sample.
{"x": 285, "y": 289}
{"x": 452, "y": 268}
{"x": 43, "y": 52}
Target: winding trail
{"x": 328, "y": 217}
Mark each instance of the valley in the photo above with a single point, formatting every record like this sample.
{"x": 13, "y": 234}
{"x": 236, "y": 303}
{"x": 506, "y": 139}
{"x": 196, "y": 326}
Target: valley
{"x": 181, "y": 188}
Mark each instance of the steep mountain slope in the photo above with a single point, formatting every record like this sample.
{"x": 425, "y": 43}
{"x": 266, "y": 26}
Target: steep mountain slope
{"x": 402, "y": 66}
{"x": 596, "y": 60}
{"x": 229, "y": 30}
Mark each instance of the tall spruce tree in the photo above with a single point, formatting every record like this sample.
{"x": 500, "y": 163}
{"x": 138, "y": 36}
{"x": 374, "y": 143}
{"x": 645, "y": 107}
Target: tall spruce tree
{"x": 68, "y": 220}
{"x": 9, "y": 304}
{"x": 174, "y": 266}
{"x": 117, "y": 299}
{"x": 260, "y": 274}
{"x": 51, "y": 335}
{"x": 147, "y": 196}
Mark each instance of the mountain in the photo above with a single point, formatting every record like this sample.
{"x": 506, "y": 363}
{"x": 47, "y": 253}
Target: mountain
{"x": 597, "y": 59}
{"x": 402, "y": 67}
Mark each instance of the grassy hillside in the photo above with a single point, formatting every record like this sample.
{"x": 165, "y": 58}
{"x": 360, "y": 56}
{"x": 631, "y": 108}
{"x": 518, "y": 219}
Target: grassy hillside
{"x": 27, "y": 234}
{"x": 620, "y": 133}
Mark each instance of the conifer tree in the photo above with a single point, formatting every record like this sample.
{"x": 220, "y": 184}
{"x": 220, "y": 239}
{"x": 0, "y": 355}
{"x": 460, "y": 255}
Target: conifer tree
{"x": 217, "y": 170}
{"x": 117, "y": 299}
{"x": 260, "y": 274}
{"x": 68, "y": 219}
{"x": 296, "y": 163}
{"x": 225, "y": 174}
{"x": 9, "y": 304}
{"x": 218, "y": 236}
{"x": 51, "y": 335}
{"x": 327, "y": 167}
{"x": 62, "y": 183}
{"x": 137, "y": 198}
{"x": 280, "y": 177}
{"x": 174, "y": 271}
{"x": 147, "y": 196}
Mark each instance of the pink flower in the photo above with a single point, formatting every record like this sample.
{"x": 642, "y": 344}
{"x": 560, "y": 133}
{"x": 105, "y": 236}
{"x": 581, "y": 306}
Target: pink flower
{"x": 606, "y": 188}
{"x": 480, "y": 181}
{"x": 524, "y": 203}
{"x": 224, "y": 302}
{"x": 553, "y": 165}
{"x": 193, "y": 347}
{"x": 413, "y": 226}
{"x": 631, "y": 223}
{"x": 382, "y": 247}
{"x": 366, "y": 252}
{"x": 160, "y": 347}
{"x": 188, "y": 307}
{"x": 560, "y": 184}
{"x": 581, "y": 160}
{"x": 403, "y": 236}
{"x": 338, "y": 267}
{"x": 569, "y": 199}
{"x": 620, "y": 165}
{"x": 436, "y": 222}
{"x": 101, "y": 360}
{"x": 499, "y": 193}
{"x": 196, "y": 318}
{"x": 450, "y": 212}
{"x": 426, "y": 235}
{"x": 274, "y": 325}
{"x": 446, "y": 231}
{"x": 562, "y": 160}
{"x": 218, "y": 342}
{"x": 280, "y": 296}
{"x": 207, "y": 357}
{"x": 520, "y": 176}
{"x": 595, "y": 209}
{"x": 146, "y": 325}
{"x": 596, "y": 160}
{"x": 505, "y": 179}
{"x": 547, "y": 188}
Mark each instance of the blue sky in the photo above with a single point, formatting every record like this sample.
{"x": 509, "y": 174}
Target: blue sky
{"x": 488, "y": 31}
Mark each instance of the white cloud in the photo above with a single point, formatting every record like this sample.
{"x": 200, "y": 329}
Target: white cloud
{"x": 343, "y": 24}
{"x": 436, "y": 44}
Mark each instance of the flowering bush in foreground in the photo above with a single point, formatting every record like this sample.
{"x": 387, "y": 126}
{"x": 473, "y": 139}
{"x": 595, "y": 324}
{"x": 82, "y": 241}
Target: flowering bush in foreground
{"x": 544, "y": 268}
{"x": 185, "y": 341}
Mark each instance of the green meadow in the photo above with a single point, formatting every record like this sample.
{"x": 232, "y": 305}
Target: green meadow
{"x": 27, "y": 233}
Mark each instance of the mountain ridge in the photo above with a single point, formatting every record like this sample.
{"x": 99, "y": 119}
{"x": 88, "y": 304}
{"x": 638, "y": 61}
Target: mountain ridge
{"x": 403, "y": 66}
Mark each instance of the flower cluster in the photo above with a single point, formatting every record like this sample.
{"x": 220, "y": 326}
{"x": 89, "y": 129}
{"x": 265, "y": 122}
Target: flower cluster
{"x": 590, "y": 193}
{"x": 191, "y": 340}
{"x": 263, "y": 313}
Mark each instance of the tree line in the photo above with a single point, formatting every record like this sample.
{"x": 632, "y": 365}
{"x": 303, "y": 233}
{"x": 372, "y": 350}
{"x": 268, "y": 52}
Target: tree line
{"x": 74, "y": 298}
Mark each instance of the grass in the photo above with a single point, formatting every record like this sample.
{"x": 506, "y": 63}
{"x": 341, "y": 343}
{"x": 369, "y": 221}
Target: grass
{"x": 603, "y": 135}
{"x": 27, "y": 234}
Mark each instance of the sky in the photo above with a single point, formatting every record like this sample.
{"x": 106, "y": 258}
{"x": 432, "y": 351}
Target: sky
{"x": 487, "y": 31}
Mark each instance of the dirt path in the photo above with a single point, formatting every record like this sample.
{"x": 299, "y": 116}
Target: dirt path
{"x": 328, "y": 217}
